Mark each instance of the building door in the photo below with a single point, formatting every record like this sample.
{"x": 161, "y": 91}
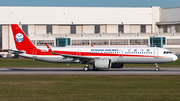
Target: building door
{"x": 62, "y": 42}
{"x": 157, "y": 41}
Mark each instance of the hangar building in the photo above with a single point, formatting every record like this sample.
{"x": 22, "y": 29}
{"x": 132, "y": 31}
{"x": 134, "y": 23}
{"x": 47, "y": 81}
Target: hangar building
{"x": 83, "y": 26}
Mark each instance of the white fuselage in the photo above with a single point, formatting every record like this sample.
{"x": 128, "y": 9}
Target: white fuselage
{"x": 116, "y": 54}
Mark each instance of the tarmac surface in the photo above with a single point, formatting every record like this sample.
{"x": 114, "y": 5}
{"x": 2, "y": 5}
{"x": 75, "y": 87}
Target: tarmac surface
{"x": 79, "y": 71}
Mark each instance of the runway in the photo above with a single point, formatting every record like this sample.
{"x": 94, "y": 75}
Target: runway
{"x": 79, "y": 71}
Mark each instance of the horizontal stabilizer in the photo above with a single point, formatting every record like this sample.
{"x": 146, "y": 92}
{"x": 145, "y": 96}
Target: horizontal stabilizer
{"x": 16, "y": 51}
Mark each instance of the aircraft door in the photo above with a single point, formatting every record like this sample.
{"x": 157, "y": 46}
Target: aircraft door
{"x": 34, "y": 53}
{"x": 121, "y": 53}
{"x": 78, "y": 52}
{"x": 156, "y": 53}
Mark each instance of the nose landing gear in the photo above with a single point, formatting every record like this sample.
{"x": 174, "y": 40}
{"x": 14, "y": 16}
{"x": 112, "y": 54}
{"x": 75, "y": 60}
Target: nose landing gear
{"x": 157, "y": 68}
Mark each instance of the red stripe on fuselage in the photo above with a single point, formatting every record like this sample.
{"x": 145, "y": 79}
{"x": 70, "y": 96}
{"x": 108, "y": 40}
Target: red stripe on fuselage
{"x": 89, "y": 54}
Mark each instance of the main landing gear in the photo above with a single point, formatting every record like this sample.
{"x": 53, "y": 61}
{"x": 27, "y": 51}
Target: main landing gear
{"x": 157, "y": 68}
{"x": 86, "y": 68}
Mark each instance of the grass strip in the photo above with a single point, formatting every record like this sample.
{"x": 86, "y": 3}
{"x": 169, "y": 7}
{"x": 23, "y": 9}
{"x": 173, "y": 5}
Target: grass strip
{"x": 89, "y": 88}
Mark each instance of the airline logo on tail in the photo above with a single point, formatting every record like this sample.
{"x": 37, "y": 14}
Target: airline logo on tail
{"x": 19, "y": 37}
{"x": 22, "y": 42}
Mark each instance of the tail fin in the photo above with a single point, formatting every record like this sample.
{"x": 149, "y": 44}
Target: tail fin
{"x": 21, "y": 40}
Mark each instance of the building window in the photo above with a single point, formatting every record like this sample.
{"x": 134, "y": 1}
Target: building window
{"x": 165, "y": 29}
{"x": 100, "y": 42}
{"x": 121, "y": 28}
{"x": 25, "y": 29}
{"x": 97, "y": 28}
{"x": 80, "y": 42}
{"x": 173, "y": 41}
{"x": 139, "y": 41}
{"x": 178, "y": 28}
{"x": 143, "y": 28}
{"x": 49, "y": 29}
{"x": 119, "y": 42}
{"x": 42, "y": 42}
{"x": 0, "y": 36}
{"x": 73, "y": 29}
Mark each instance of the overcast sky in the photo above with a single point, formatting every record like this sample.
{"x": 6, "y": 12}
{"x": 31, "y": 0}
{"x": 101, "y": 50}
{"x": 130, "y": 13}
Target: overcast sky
{"x": 92, "y": 3}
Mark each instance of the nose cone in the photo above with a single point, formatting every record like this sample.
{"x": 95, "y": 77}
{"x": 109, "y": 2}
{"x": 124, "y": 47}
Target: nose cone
{"x": 175, "y": 58}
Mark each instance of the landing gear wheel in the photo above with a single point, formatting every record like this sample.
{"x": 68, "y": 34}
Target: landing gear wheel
{"x": 94, "y": 68}
{"x": 157, "y": 68}
{"x": 86, "y": 68}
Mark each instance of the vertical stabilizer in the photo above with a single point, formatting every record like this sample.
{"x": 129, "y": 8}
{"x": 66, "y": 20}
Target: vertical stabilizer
{"x": 22, "y": 42}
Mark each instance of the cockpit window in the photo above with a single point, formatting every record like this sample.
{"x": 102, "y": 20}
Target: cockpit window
{"x": 167, "y": 52}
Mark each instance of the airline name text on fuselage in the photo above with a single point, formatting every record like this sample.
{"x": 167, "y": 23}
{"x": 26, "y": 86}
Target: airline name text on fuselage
{"x": 129, "y": 50}
{"x": 104, "y": 49}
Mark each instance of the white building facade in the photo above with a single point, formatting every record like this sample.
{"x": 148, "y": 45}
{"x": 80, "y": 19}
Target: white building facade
{"x": 84, "y": 26}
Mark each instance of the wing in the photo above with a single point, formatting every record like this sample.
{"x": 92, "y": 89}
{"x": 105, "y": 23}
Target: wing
{"x": 76, "y": 56}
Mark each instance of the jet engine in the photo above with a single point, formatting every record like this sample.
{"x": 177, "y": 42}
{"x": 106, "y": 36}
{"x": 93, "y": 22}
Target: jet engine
{"x": 102, "y": 63}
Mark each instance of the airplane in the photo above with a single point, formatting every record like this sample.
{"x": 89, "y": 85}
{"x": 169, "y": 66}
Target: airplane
{"x": 99, "y": 57}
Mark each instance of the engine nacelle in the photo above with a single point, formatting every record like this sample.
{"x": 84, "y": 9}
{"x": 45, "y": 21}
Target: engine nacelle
{"x": 117, "y": 65}
{"x": 102, "y": 63}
